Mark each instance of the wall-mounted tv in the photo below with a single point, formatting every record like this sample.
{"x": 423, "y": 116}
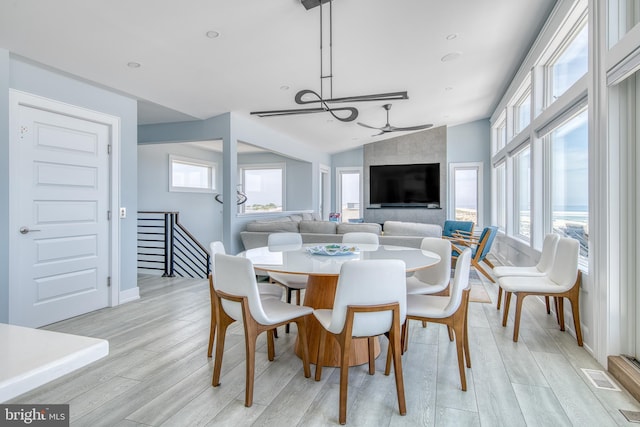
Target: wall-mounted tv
{"x": 405, "y": 185}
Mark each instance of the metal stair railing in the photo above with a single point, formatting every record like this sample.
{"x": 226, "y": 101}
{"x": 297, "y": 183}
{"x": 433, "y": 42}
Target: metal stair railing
{"x": 166, "y": 245}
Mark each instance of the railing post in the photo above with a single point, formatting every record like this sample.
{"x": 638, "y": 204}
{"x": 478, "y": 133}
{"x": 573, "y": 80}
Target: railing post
{"x": 166, "y": 245}
{"x": 172, "y": 223}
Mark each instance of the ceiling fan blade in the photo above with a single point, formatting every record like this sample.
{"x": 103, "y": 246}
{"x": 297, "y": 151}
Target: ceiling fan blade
{"x": 273, "y": 113}
{"x": 420, "y": 127}
{"x": 367, "y": 126}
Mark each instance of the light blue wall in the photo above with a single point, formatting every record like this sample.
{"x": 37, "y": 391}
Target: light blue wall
{"x": 471, "y": 142}
{"x": 4, "y": 186}
{"x": 20, "y": 74}
{"x": 200, "y": 213}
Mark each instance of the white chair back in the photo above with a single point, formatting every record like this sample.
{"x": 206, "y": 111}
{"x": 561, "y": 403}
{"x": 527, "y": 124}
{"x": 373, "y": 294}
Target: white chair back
{"x": 441, "y": 272}
{"x": 460, "y": 282}
{"x": 284, "y": 241}
{"x": 216, "y": 247}
{"x": 356, "y": 237}
{"x": 565, "y": 265}
{"x": 235, "y": 276}
{"x": 369, "y": 282}
{"x": 549, "y": 247}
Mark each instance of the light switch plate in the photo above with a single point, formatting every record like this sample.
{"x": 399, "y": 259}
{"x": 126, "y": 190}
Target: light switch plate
{"x": 123, "y": 212}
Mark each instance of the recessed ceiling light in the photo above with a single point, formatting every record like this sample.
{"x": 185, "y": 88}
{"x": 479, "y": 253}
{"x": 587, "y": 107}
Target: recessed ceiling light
{"x": 284, "y": 87}
{"x": 452, "y": 56}
{"x": 133, "y": 64}
{"x": 451, "y": 36}
{"x": 212, "y": 34}
{"x": 448, "y": 88}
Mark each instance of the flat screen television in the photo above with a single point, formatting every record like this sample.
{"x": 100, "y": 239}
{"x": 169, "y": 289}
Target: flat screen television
{"x": 413, "y": 185}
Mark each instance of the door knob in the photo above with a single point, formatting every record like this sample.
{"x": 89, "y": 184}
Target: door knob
{"x": 25, "y": 230}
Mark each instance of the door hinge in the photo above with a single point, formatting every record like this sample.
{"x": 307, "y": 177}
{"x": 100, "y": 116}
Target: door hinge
{"x": 23, "y": 131}
{"x": 108, "y": 281}
{"x": 108, "y": 148}
{"x": 108, "y": 215}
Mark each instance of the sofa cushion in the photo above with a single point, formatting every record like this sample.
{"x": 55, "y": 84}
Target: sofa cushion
{"x": 324, "y": 227}
{"x": 366, "y": 227}
{"x": 401, "y": 228}
{"x": 278, "y": 225}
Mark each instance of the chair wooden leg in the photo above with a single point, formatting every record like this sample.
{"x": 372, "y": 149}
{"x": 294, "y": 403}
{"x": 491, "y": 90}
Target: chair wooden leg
{"x": 499, "y": 298}
{"x": 546, "y": 302}
{"x": 298, "y": 292}
{"x": 250, "y": 345}
{"x": 483, "y": 271}
{"x": 271, "y": 353}
{"x": 507, "y": 302}
{"x": 561, "y": 312}
{"x": 344, "y": 378}
{"x": 372, "y": 355}
{"x": 458, "y": 327}
{"x": 405, "y": 336}
{"x": 424, "y": 323}
{"x": 212, "y": 334}
{"x": 467, "y": 355}
{"x": 575, "y": 309}
{"x": 516, "y": 325}
{"x": 320, "y": 356}
{"x": 555, "y": 303}
{"x": 387, "y": 366}
{"x": 450, "y": 331}
{"x": 302, "y": 333}
{"x": 397, "y": 366}
{"x": 222, "y": 325}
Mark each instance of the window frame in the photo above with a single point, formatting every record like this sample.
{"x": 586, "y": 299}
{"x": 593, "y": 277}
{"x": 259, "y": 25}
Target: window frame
{"x": 257, "y": 166}
{"x": 212, "y": 168}
{"x": 345, "y": 170}
{"x": 516, "y": 194}
{"x": 478, "y": 166}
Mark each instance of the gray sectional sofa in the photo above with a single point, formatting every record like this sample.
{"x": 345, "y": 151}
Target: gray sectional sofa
{"x": 314, "y": 231}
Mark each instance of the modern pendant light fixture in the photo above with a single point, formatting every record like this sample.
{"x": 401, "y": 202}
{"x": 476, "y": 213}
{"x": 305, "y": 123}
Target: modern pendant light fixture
{"x": 308, "y": 96}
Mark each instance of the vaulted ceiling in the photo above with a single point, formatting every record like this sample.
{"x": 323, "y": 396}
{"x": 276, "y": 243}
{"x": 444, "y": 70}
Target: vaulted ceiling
{"x": 455, "y": 58}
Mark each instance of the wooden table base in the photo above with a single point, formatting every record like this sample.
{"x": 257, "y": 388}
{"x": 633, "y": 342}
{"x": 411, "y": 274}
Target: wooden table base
{"x": 320, "y": 293}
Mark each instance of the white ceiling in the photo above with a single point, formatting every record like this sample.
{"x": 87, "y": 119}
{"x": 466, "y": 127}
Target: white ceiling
{"x": 378, "y": 46}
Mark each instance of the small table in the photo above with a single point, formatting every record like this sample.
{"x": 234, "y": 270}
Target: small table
{"x": 323, "y": 272}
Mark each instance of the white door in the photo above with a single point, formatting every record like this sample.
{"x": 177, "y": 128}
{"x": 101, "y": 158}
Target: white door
{"x": 59, "y": 205}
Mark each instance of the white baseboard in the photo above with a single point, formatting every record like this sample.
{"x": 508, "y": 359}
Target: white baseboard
{"x": 129, "y": 295}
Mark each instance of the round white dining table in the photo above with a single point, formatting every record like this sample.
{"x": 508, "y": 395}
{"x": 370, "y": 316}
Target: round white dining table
{"x": 323, "y": 272}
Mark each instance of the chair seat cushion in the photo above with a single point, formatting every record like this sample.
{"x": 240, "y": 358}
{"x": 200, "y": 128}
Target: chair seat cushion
{"x": 418, "y": 287}
{"x": 278, "y": 311}
{"x": 295, "y": 281}
{"x": 507, "y": 270}
{"x": 530, "y": 284}
{"x": 427, "y": 306}
{"x": 267, "y": 290}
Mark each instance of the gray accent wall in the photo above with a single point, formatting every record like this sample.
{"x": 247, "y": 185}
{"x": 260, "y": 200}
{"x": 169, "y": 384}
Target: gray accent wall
{"x": 429, "y": 146}
{"x": 21, "y": 74}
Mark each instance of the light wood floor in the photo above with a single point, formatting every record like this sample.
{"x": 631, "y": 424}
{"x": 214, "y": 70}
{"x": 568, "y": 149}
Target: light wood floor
{"x": 157, "y": 373}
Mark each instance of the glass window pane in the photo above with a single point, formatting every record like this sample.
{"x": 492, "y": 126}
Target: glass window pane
{"x": 570, "y": 65}
{"x": 466, "y": 194}
{"x": 569, "y": 181}
{"x": 501, "y": 196}
{"x": 523, "y": 113}
{"x": 191, "y": 176}
{"x": 523, "y": 193}
{"x": 350, "y": 195}
{"x": 263, "y": 188}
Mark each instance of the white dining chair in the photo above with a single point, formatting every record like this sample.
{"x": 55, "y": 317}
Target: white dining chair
{"x": 265, "y": 291}
{"x": 237, "y": 298}
{"x": 434, "y": 279}
{"x": 291, "y": 282}
{"x": 356, "y": 237}
{"x": 543, "y": 267}
{"x": 450, "y": 311}
{"x": 370, "y": 300}
{"x": 563, "y": 281}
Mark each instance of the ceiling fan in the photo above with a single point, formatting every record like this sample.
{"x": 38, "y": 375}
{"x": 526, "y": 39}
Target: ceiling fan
{"x": 388, "y": 128}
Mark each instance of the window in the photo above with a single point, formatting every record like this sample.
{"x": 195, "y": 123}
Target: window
{"x": 191, "y": 175}
{"x": 569, "y": 178}
{"x": 623, "y": 16}
{"x": 501, "y": 195}
{"x": 522, "y": 193}
{"x": 263, "y": 186}
{"x": 522, "y": 112}
{"x": 466, "y": 189}
{"x": 569, "y": 64}
{"x": 349, "y": 193}
{"x": 500, "y": 134}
